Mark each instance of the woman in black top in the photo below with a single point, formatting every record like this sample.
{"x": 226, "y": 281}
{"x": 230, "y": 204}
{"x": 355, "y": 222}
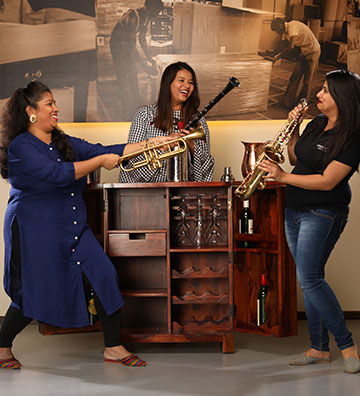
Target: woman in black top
{"x": 317, "y": 198}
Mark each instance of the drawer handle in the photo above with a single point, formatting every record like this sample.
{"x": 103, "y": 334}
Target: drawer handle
{"x": 137, "y": 236}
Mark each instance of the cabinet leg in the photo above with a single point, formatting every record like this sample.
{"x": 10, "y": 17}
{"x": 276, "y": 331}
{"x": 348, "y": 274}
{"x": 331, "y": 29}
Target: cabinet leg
{"x": 228, "y": 343}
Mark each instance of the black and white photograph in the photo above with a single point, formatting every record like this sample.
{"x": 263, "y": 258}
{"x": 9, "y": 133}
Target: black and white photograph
{"x": 105, "y": 58}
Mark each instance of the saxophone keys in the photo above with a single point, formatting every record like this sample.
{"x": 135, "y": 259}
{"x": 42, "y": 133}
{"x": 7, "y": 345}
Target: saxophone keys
{"x": 262, "y": 185}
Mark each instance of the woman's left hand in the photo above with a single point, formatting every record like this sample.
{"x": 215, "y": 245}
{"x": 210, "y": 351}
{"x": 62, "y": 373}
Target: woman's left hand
{"x": 273, "y": 170}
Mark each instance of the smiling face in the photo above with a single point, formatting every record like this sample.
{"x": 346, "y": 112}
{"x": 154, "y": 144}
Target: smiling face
{"x": 181, "y": 89}
{"x": 326, "y": 103}
{"x": 46, "y": 113}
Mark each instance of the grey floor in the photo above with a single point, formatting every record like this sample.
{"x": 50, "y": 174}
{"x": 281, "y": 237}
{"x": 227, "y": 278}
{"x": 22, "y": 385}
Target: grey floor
{"x": 73, "y": 365}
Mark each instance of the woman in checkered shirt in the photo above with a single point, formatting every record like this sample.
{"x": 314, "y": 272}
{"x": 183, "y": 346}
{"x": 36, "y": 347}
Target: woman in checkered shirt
{"x": 177, "y": 102}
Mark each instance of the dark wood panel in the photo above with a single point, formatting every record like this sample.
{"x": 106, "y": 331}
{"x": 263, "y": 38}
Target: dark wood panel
{"x": 141, "y": 272}
{"x": 134, "y": 209}
{"x": 144, "y": 312}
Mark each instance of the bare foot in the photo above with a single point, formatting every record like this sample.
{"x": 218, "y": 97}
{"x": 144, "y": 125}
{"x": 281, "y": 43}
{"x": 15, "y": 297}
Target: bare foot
{"x": 117, "y": 352}
{"x": 318, "y": 354}
{"x": 353, "y": 351}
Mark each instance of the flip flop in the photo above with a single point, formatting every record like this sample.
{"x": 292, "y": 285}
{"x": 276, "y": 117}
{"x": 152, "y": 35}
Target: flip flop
{"x": 10, "y": 364}
{"x": 131, "y": 360}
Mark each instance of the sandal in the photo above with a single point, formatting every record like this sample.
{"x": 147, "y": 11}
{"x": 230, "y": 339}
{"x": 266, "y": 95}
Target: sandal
{"x": 131, "y": 360}
{"x": 10, "y": 364}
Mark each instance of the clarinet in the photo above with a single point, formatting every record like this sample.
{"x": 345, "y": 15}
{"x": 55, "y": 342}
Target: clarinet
{"x": 234, "y": 82}
{"x": 177, "y": 167}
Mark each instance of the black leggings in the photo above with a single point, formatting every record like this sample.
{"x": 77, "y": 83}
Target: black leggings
{"x": 111, "y": 324}
{"x": 15, "y": 321}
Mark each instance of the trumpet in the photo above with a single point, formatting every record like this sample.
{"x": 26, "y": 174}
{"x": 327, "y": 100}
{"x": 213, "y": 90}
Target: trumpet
{"x": 271, "y": 151}
{"x": 177, "y": 146}
{"x": 152, "y": 157}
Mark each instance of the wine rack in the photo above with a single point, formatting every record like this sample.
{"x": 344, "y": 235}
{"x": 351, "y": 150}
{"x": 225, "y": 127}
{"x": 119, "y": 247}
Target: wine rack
{"x": 182, "y": 270}
{"x": 205, "y": 273}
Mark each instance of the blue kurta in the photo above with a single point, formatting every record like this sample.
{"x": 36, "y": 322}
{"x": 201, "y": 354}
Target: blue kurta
{"x": 57, "y": 245}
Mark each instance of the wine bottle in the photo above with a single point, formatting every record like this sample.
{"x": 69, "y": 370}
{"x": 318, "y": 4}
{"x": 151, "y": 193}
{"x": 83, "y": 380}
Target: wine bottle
{"x": 261, "y": 298}
{"x": 246, "y": 223}
{"x": 93, "y": 316}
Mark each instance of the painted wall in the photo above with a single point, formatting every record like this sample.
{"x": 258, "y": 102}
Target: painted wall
{"x": 343, "y": 269}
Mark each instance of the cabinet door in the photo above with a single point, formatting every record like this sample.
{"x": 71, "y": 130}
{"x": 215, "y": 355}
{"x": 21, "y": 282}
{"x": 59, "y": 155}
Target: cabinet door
{"x": 136, "y": 242}
{"x": 268, "y": 255}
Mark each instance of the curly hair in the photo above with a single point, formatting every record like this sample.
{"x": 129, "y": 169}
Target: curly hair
{"x": 164, "y": 116}
{"x": 15, "y": 121}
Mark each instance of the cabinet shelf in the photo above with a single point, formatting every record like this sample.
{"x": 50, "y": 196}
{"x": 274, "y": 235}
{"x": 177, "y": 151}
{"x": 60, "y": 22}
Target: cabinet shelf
{"x": 205, "y": 249}
{"x": 144, "y": 330}
{"x": 205, "y": 298}
{"x": 263, "y": 329}
{"x": 256, "y": 250}
{"x": 138, "y": 231}
{"x": 144, "y": 293}
{"x": 192, "y": 197}
{"x": 206, "y": 273}
{"x": 192, "y": 208}
{"x": 255, "y": 237}
{"x": 207, "y": 324}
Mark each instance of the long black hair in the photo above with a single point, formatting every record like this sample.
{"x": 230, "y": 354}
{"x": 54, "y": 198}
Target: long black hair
{"x": 344, "y": 87}
{"x": 164, "y": 115}
{"x": 15, "y": 121}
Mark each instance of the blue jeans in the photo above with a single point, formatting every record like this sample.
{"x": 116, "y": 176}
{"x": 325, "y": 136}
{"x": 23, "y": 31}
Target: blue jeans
{"x": 311, "y": 236}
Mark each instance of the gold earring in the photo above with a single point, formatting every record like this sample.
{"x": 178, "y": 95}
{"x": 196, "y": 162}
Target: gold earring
{"x": 33, "y": 118}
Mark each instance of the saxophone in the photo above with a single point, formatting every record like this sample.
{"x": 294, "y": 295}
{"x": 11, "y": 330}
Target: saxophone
{"x": 271, "y": 151}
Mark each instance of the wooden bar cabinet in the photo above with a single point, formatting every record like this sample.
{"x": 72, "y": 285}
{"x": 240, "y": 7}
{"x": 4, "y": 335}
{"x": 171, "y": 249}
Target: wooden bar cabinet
{"x": 182, "y": 270}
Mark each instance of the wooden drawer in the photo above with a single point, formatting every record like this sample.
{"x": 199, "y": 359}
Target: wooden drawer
{"x": 137, "y": 244}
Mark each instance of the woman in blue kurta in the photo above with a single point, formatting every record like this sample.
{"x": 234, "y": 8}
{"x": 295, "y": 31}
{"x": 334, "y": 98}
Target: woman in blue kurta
{"x": 49, "y": 249}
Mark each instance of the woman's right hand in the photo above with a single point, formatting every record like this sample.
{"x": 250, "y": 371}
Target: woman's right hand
{"x": 295, "y": 113}
{"x": 110, "y": 161}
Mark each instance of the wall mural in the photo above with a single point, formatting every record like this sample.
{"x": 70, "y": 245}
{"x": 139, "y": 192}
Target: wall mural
{"x": 104, "y": 58}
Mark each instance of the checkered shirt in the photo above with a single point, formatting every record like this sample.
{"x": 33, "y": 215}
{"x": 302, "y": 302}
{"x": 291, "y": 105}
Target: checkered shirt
{"x": 200, "y": 163}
